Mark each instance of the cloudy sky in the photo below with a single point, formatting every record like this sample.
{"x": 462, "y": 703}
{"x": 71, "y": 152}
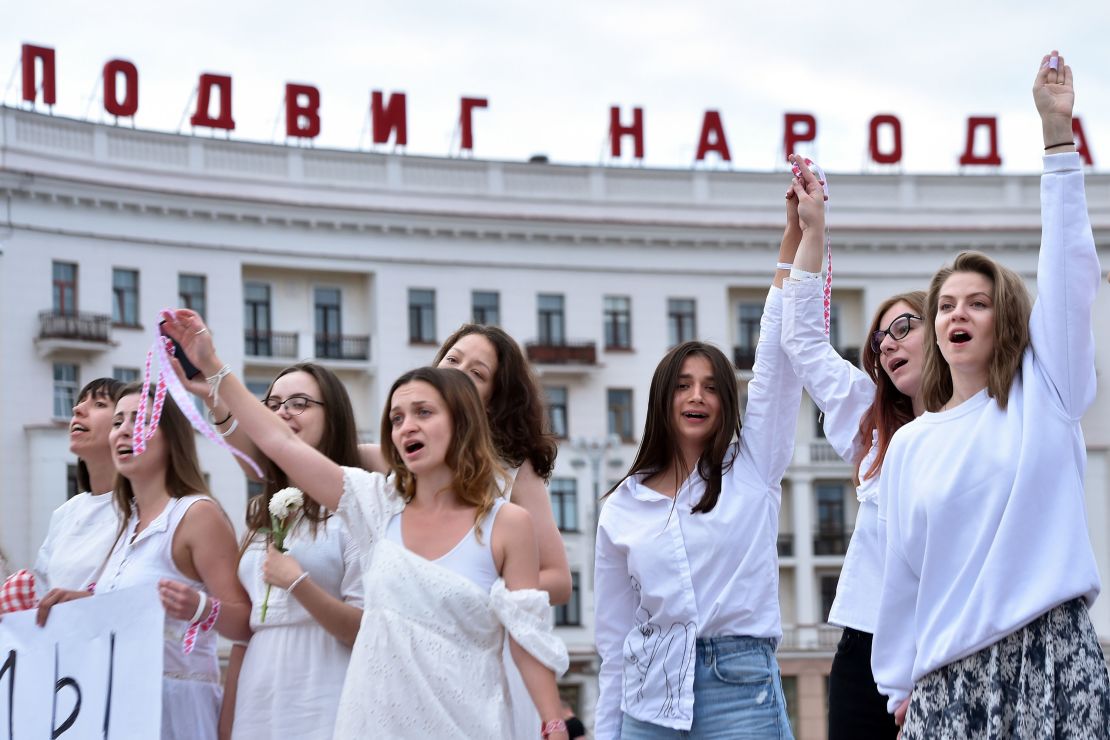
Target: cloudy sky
{"x": 552, "y": 70}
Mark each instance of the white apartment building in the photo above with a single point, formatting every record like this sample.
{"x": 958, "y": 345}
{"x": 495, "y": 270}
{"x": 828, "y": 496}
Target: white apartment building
{"x": 367, "y": 261}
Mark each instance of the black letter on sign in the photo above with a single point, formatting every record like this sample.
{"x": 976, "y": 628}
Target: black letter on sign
{"x": 61, "y": 684}
{"x": 111, "y": 666}
{"x": 10, "y": 664}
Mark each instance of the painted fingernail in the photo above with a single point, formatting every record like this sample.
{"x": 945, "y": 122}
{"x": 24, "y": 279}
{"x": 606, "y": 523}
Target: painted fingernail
{"x": 1054, "y": 63}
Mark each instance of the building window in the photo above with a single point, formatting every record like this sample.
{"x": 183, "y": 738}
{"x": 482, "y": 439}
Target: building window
{"x": 422, "y": 316}
{"x": 192, "y": 293}
{"x": 682, "y": 320}
{"x": 834, "y": 324}
{"x": 570, "y": 613}
{"x": 125, "y": 297}
{"x": 564, "y": 502}
{"x": 618, "y": 322}
{"x": 831, "y": 539}
{"x": 65, "y": 288}
{"x": 748, "y": 327}
{"x": 485, "y": 307}
{"x": 620, "y": 413}
{"x": 258, "y": 388}
{"x": 256, "y": 319}
{"x": 125, "y": 374}
{"x": 254, "y": 488}
{"x": 557, "y": 410}
{"x": 65, "y": 389}
{"x": 73, "y": 486}
{"x": 329, "y": 322}
{"x": 552, "y": 329}
{"x": 828, "y": 594}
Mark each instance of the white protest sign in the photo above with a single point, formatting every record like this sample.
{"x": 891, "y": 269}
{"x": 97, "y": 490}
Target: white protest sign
{"x": 94, "y": 672}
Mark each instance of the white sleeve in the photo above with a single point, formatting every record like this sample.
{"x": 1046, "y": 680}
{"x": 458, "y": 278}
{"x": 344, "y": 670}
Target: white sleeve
{"x": 841, "y": 390}
{"x": 526, "y": 615}
{"x": 614, "y": 611}
{"x": 774, "y": 398}
{"x": 41, "y": 568}
{"x": 1068, "y": 275}
{"x": 365, "y": 508}
{"x": 350, "y": 587}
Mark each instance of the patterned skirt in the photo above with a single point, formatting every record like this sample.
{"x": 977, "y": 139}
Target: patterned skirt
{"x": 1047, "y": 680}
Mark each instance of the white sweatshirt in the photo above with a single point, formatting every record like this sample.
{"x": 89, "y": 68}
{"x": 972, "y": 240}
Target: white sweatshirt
{"x": 843, "y": 392}
{"x": 666, "y": 577}
{"x": 77, "y": 543}
{"x": 984, "y": 509}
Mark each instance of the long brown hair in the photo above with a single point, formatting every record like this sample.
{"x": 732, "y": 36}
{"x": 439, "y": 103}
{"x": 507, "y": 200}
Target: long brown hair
{"x": 659, "y": 447}
{"x": 105, "y": 388}
{"x": 339, "y": 443}
{"x": 183, "y": 474}
{"x": 1012, "y": 307}
{"x": 891, "y": 409}
{"x": 471, "y": 456}
{"x": 517, "y": 415}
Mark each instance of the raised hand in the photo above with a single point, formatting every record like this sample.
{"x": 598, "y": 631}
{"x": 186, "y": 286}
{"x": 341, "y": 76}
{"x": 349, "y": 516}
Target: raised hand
{"x": 809, "y": 195}
{"x": 190, "y": 331}
{"x": 1054, "y": 96}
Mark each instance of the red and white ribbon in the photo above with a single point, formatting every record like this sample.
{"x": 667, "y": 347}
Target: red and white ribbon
{"x": 167, "y": 381}
{"x": 816, "y": 168}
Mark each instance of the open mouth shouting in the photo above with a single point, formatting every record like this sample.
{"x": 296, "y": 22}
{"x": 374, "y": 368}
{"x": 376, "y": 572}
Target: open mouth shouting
{"x": 959, "y": 336}
{"x": 412, "y": 448}
{"x": 76, "y": 429}
{"x": 124, "y": 452}
{"x": 695, "y": 416}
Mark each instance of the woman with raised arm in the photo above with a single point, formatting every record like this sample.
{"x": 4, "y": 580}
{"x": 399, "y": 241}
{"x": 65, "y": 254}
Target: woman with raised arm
{"x": 81, "y": 530}
{"x": 983, "y": 624}
{"x": 862, "y": 411}
{"x": 687, "y": 616}
{"x": 448, "y": 566}
{"x": 175, "y": 536}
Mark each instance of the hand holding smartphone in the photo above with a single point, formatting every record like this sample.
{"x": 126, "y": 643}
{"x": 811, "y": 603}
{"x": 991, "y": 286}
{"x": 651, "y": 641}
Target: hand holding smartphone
{"x": 191, "y": 370}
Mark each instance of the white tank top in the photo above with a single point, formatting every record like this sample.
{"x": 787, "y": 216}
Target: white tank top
{"x": 469, "y": 558}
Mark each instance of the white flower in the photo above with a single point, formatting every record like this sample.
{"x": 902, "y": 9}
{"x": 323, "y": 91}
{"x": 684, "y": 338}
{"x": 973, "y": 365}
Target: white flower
{"x": 285, "y": 502}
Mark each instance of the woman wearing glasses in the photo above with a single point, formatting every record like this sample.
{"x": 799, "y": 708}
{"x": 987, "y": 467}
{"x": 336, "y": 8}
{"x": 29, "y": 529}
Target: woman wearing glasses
{"x": 315, "y": 588}
{"x": 862, "y": 410}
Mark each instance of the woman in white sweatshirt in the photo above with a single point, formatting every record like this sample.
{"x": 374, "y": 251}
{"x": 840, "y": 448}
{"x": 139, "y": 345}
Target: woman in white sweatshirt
{"x": 862, "y": 410}
{"x": 983, "y": 625}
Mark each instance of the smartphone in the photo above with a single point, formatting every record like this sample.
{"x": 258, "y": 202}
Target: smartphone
{"x": 191, "y": 370}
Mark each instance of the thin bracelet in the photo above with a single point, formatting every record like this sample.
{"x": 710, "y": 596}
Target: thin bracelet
{"x": 296, "y": 582}
{"x": 231, "y": 429}
{"x": 201, "y": 606}
{"x": 214, "y": 383}
{"x": 213, "y": 421}
{"x": 784, "y": 266}
{"x": 1062, "y": 143}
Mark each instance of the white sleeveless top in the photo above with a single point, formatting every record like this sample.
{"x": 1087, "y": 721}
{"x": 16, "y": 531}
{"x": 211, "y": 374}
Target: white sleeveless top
{"x": 145, "y": 561}
{"x": 470, "y": 558}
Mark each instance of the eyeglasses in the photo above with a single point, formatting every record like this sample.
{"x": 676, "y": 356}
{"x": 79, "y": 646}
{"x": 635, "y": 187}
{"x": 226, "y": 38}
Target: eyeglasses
{"x": 897, "y": 330}
{"x": 294, "y": 405}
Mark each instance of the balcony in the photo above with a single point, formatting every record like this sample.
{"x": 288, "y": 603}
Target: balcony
{"x": 264, "y": 343}
{"x": 822, "y": 452}
{"x": 831, "y": 541}
{"x": 87, "y": 333}
{"x": 342, "y": 347}
{"x": 809, "y": 638}
{"x": 565, "y": 358}
{"x": 743, "y": 358}
{"x": 786, "y": 545}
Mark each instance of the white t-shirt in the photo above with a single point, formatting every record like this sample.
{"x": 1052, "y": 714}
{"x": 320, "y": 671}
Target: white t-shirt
{"x": 983, "y": 508}
{"x": 77, "y": 542}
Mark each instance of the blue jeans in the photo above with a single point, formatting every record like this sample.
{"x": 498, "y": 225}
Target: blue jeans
{"x": 737, "y": 695}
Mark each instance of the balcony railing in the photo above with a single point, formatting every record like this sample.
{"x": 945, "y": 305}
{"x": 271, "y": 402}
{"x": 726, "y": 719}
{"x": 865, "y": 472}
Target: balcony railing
{"x": 743, "y": 357}
{"x": 831, "y": 542}
{"x": 83, "y": 327}
{"x": 265, "y": 343}
{"x": 342, "y": 347}
{"x": 566, "y": 353}
{"x": 822, "y": 452}
{"x": 786, "y": 545}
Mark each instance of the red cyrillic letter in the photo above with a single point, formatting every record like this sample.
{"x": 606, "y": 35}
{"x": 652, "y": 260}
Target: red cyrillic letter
{"x": 711, "y": 125}
{"x": 465, "y": 122}
{"x": 204, "y": 98}
{"x": 30, "y": 89}
{"x": 1081, "y": 142}
{"x": 992, "y": 157}
{"x": 302, "y": 119}
{"x": 617, "y": 131}
{"x": 894, "y": 156}
{"x": 792, "y": 136}
{"x": 389, "y": 118}
{"x": 112, "y": 103}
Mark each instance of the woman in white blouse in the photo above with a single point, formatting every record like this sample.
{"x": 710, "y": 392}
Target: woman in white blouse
{"x": 687, "y": 614}
{"x": 983, "y": 626}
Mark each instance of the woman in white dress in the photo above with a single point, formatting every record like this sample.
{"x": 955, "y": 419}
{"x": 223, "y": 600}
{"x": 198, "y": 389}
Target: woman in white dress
{"x": 427, "y": 660}
{"x": 175, "y": 538}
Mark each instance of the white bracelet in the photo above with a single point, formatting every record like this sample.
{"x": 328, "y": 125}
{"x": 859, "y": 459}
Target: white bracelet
{"x": 783, "y": 266}
{"x": 296, "y": 582}
{"x": 201, "y": 606}
{"x": 232, "y": 428}
{"x": 214, "y": 383}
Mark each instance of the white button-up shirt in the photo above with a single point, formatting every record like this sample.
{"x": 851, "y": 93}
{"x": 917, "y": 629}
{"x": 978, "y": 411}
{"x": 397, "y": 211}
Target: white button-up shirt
{"x": 666, "y": 577}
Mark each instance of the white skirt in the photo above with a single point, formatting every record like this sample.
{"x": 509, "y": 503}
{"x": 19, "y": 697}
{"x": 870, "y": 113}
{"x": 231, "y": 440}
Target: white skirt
{"x": 190, "y": 709}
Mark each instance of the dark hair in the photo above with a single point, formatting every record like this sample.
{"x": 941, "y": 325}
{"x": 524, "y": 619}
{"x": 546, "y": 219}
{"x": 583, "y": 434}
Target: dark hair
{"x": 891, "y": 409}
{"x": 471, "y": 455}
{"x": 659, "y": 446}
{"x": 106, "y": 388}
{"x": 516, "y": 409}
{"x": 1012, "y": 307}
{"x": 339, "y": 443}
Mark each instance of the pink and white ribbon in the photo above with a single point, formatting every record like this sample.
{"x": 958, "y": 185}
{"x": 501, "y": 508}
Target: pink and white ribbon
{"x": 816, "y": 168}
{"x": 167, "y": 381}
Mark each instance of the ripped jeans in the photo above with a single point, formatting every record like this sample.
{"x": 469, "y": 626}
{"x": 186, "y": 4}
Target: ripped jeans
{"x": 737, "y": 695}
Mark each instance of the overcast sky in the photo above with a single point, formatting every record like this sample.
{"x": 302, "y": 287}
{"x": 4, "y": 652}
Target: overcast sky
{"x": 552, "y": 70}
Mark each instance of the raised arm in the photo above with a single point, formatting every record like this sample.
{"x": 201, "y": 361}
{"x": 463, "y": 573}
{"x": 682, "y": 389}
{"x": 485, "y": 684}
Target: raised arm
{"x": 307, "y": 468}
{"x": 1068, "y": 271}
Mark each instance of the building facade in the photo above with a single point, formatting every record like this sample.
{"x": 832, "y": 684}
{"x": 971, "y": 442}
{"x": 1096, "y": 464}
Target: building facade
{"x": 367, "y": 261}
